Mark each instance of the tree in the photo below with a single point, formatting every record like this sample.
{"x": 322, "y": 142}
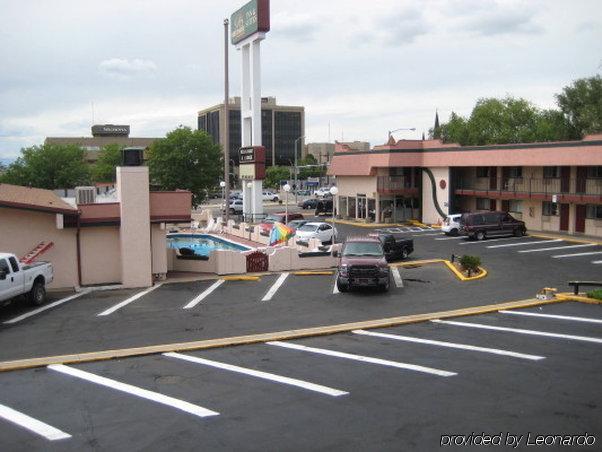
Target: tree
{"x": 49, "y": 166}
{"x": 581, "y": 104}
{"x": 186, "y": 159}
{"x": 275, "y": 174}
{"x": 108, "y": 159}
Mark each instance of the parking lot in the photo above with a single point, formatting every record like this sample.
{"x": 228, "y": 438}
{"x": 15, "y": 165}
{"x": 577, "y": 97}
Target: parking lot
{"x": 390, "y": 388}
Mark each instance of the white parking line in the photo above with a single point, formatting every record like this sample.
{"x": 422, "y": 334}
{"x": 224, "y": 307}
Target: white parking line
{"x": 259, "y": 374}
{"x": 553, "y": 316}
{"x": 522, "y": 331}
{"x": 33, "y": 425}
{"x": 397, "y": 277}
{"x": 429, "y": 234}
{"x": 554, "y": 248}
{"x": 452, "y": 238}
{"x": 268, "y": 296}
{"x": 335, "y": 289}
{"x": 129, "y": 300}
{"x": 365, "y": 359}
{"x": 561, "y": 256}
{"x": 49, "y": 306}
{"x": 530, "y": 242}
{"x": 204, "y": 294}
{"x": 596, "y": 262}
{"x": 495, "y": 351}
{"x": 134, "y": 390}
{"x": 490, "y": 240}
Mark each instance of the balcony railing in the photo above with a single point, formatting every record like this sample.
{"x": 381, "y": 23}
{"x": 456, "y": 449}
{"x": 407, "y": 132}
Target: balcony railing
{"x": 587, "y": 190}
{"x": 396, "y": 184}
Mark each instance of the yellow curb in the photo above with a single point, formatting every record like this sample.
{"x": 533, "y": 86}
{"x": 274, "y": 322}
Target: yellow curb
{"x": 309, "y": 273}
{"x": 241, "y": 278}
{"x": 447, "y": 263}
{"x": 567, "y": 296}
{"x": 569, "y": 238}
{"x": 30, "y": 363}
{"x": 416, "y": 263}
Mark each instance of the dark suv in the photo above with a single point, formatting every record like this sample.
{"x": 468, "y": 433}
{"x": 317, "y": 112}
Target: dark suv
{"x": 362, "y": 263}
{"x": 481, "y": 225}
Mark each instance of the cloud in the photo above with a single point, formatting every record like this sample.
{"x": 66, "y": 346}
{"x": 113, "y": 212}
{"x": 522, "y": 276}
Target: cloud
{"x": 122, "y": 68}
{"x": 395, "y": 29}
{"x": 500, "y": 20}
{"x": 296, "y": 27}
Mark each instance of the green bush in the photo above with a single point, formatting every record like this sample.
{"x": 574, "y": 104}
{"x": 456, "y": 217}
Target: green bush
{"x": 597, "y": 294}
{"x": 470, "y": 263}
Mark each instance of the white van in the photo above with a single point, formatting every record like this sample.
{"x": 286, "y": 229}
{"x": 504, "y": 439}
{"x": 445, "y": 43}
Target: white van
{"x": 451, "y": 225}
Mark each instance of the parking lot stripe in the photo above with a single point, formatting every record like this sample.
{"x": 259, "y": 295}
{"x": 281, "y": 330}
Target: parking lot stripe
{"x": 365, "y": 359}
{"x": 490, "y": 240}
{"x": 428, "y": 235}
{"x": 48, "y": 306}
{"x": 134, "y": 390}
{"x": 591, "y": 253}
{"x": 452, "y": 238}
{"x": 204, "y": 294}
{"x": 33, "y": 425}
{"x": 553, "y": 316}
{"x": 530, "y": 242}
{"x": 397, "y": 276}
{"x": 259, "y": 374}
{"x": 268, "y": 296}
{"x": 595, "y": 340}
{"x": 335, "y": 289}
{"x": 554, "y": 248}
{"x": 495, "y": 351}
{"x": 596, "y": 262}
{"x": 129, "y": 300}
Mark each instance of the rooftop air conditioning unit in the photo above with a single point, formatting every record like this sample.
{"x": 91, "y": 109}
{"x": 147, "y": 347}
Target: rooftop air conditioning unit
{"x": 85, "y": 195}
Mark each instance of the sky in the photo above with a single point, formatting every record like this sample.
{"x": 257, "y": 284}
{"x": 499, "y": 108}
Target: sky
{"x": 359, "y": 68}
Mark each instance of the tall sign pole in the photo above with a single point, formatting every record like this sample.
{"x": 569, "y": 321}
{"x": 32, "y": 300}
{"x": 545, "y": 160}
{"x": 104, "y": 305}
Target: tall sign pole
{"x": 226, "y": 140}
{"x": 249, "y": 25}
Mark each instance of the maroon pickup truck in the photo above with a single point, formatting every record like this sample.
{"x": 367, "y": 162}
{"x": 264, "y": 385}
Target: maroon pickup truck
{"x": 362, "y": 263}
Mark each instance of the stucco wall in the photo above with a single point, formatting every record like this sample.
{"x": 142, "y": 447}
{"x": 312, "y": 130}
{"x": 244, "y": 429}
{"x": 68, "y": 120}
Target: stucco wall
{"x": 352, "y": 185}
{"x": 22, "y": 230}
{"x": 100, "y": 255}
{"x": 429, "y": 212}
{"x": 159, "y": 247}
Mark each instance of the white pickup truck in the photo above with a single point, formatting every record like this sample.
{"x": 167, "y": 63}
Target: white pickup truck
{"x": 17, "y": 279}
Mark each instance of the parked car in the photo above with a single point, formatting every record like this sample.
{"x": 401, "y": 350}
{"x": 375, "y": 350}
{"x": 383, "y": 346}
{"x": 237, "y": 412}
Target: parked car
{"x": 235, "y": 206}
{"x": 481, "y": 225}
{"x": 362, "y": 263}
{"x": 270, "y": 196}
{"x": 303, "y": 192}
{"x": 266, "y": 225}
{"x": 395, "y": 246}
{"x": 322, "y": 191}
{"x": 315, "y": 230}
{"x": 18, "y": 279}
{"x": 451, "y": 224}
{"x": 296, "y": 224}
{"x": 324, "y": 206}
{"x": 310, "y": 203}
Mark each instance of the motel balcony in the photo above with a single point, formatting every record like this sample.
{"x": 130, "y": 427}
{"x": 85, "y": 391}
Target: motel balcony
{"x": 582, "y": 191}
{"x": 396, "y": 185}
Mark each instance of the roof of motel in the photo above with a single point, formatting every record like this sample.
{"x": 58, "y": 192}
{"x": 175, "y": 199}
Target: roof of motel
{"x": 435, "y": 153}
{"x": 30, "y": 198}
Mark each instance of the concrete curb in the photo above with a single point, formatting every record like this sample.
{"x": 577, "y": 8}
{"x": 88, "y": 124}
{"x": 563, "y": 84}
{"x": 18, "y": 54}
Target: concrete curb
{"x": 567, "y": 296}
{"x": 569, "y": 238}
{"x": 366, "y": 225}
{"x": 103, "y": 355}
{"x": 448, "y": 264}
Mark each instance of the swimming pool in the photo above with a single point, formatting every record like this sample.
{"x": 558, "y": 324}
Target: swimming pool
{"x": 202, "y": 244}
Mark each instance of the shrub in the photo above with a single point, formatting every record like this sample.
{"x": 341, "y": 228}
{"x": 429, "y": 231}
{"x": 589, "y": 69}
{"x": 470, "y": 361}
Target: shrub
{"x": 470, "y": 263}
{"x": 597, "y": 294}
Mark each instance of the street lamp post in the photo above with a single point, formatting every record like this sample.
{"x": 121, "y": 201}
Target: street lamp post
{"x": 402, "y": 128}
{"x": 286, "y": 189}
{"x": 296, "y": 170}
{"x": 226, "y": 206}
{"x": 333, "y": 191}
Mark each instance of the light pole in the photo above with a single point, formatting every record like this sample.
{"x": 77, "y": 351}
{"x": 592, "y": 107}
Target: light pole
{"x": 226, "y": 122}
{"x": 296, "y": 187}
{"x": 226, "y": 206}
{"x": 333, "y": 191}
{"x": 286, "y": 189}
{"x": 402, "y": 128}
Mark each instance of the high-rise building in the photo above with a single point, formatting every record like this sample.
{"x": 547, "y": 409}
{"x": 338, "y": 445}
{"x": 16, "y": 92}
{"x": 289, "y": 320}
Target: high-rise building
{"x": 281, "y": 126}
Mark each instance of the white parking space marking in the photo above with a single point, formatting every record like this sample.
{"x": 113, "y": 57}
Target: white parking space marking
{"x": 335, "y": 289}
{"x": 429, "y": 234}
{"x": 204, "y": 294}
{"x": 595, "y": 340}
{"x": 553, "y": 316}
{"x": 365, "y": 359}
{"x": 259, "y": 374}
{"x": 49, "y": 306}
{"x": 495, "y": 351}
{"x": 530, "y": 242}
{"x": 562, "y": 256}
{"x": 268, "y": 296}
{"x": 33, "y": 425}
{"x": 397, "y": 277}
{"x": 134, "y": 390}
{"x": 129, "y": 300}
{"x": 452, "y": 238}
{"x": 554, "y": 248}
{"x": 490, "y": 240}
{"x": 596, "y": 262}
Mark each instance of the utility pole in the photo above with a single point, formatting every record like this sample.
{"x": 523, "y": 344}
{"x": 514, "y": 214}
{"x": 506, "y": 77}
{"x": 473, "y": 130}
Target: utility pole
{"x": 226, "y": 139}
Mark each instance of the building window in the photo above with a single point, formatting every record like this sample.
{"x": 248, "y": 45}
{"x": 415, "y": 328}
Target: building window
{"x": 514, "y": 172}
{"x": 483, "y": 171}
{"x": 549, "y": 209}
{"x": 594, "y": 172}
{"x": 551, "y": 172}
{"x": 483, "y": 204}
{"x": 593, "y": 212}
{"x": 515, "y": 206}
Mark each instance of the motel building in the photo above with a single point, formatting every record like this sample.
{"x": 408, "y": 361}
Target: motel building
{"x": 552, "y": 186}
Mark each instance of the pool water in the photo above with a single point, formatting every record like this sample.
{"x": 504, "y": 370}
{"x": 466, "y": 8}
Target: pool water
{"x": 201, "y": 244}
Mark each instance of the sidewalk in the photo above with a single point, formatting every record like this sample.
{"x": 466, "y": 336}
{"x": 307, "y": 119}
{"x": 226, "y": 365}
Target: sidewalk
{"x": 566, "y": 236}
{"x": 361, "y": 224}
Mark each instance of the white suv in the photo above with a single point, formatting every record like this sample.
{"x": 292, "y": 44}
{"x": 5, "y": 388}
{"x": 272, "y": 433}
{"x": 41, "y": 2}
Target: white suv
{"x": 451, "y": 224}
{"x": 321, "y": 192}
{"x": 270, "y": 196}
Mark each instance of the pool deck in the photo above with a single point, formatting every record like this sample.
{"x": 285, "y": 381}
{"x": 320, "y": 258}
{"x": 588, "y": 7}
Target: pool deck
{"x": 229, "y": 237}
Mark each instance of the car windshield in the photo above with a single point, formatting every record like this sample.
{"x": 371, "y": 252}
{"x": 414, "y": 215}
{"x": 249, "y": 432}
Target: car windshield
{"x": 363, "y": 249}
{"x": 308, "y": 227}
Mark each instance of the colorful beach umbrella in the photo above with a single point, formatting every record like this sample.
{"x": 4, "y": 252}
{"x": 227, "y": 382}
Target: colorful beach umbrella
{"x": 280, "y": 233}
